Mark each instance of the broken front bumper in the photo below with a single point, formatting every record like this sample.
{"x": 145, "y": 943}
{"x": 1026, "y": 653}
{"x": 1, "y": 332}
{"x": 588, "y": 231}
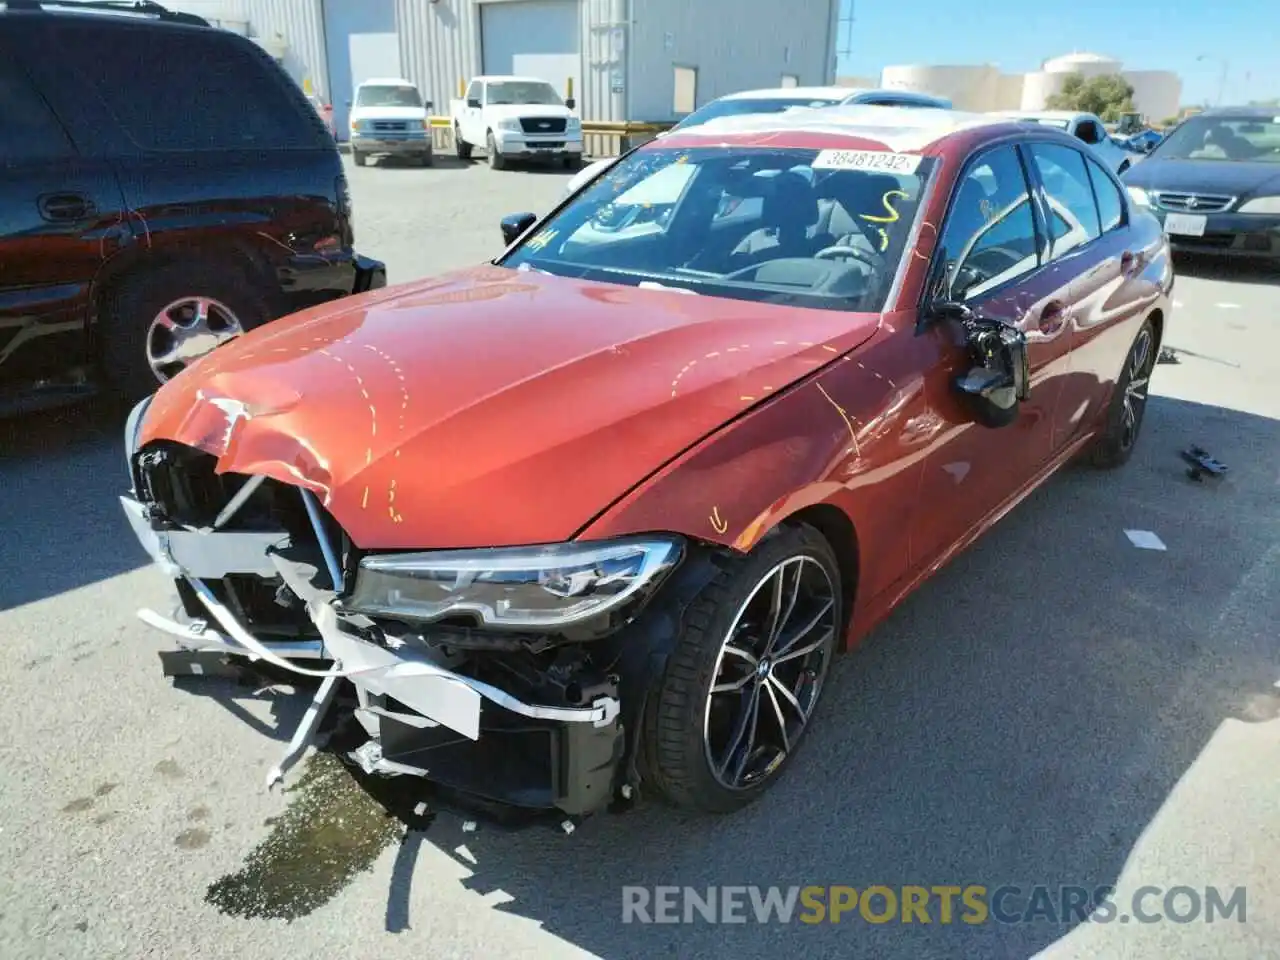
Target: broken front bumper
{"x": 423, "y": 715}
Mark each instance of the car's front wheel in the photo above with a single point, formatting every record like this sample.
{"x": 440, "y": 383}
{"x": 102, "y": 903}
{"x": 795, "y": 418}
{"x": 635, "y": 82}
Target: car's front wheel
{"x": 358, "y": 158}
{"x": 740, "y": 689}
{"x": 156, "y": 322}
{"x": 1116, "y": 444}
{"x": 496, "y": 160}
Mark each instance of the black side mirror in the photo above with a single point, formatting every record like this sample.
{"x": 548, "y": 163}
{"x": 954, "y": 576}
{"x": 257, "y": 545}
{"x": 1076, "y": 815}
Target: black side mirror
{"x": 430, "y": 105}
{"x": 515, "y": 224}
{"x": 999, "y": 375}
{"x": 571, "y": 103}
{"x": 473, "y": 102}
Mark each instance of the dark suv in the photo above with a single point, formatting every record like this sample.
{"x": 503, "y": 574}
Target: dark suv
{"x": 164, "y": 186}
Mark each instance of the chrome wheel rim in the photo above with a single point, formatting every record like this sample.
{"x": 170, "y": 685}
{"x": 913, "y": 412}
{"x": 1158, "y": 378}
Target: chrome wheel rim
{"x": 186, "y": 330}
{"x": 769, "y": 673}
{"x": 1134, "y": 401}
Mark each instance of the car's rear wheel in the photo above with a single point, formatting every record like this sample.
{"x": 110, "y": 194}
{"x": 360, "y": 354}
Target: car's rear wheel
{"x": 460, "y": 146}
{"x": 1116, "y": 444}
{"x": 155, "y": 323}
{"x": 740, "y": 689}
{"x": 496, "y": 159}
{"x": 426, "y": 159}
{"x": 573, "y": 161}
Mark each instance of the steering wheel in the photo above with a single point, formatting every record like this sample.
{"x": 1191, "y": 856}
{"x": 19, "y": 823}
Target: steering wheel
{"x": 853, "y": 253}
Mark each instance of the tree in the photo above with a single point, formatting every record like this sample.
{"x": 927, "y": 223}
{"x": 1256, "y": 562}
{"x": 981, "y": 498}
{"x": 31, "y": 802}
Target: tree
{"x": 1108, "y": 96}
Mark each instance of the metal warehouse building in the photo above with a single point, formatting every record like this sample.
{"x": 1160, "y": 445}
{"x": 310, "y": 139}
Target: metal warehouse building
{"x": 648, "y": 60}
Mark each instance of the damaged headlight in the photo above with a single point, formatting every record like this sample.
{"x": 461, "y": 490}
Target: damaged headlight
{"x": 543, "y": 587}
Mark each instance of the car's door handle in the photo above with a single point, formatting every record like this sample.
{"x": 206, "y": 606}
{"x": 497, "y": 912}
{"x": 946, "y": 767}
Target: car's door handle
{"x": 65, "y": 206}
{"x": 1053, "y": 315}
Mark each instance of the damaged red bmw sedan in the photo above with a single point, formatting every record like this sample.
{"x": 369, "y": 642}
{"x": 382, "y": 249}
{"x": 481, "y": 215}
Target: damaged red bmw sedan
{"x": 597, "y": 516}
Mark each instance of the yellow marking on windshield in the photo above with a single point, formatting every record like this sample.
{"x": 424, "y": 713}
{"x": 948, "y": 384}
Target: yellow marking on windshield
{"x": 892, "y": 215}
{"x": 542, "y": 239}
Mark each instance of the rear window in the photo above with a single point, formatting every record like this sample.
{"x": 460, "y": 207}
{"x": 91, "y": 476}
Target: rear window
{"x": 180, "y": 90}
{"x": 741, "y": 106}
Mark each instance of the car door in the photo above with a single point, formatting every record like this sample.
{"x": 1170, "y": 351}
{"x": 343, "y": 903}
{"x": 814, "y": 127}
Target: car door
{"x": 60, "y": 217}
{"x": 991, "y": 256}
{"x": 1105, "y": 292}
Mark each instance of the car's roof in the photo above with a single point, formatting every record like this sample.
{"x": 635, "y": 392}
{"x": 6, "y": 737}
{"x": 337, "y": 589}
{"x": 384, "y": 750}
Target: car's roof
{"x": 386, "y": 82}
{"x": 896, "y": 128}
{"x": 1042, "y": 114}
{"x": 789, "y": 93}
{"x": 510, "y": 77}
{"x": 158, "y": 15}
{"x": 1252, "y": 112}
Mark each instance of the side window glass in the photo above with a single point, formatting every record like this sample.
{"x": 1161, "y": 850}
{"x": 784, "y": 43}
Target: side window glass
{"x": 31, "y": 131}
{"x": 224, "y": 93}
{"x": 1070, "y": 195}
{"x": 473, "y": 91}
{"x": 1110, "y": 202}
{"x": 990, "y": 233}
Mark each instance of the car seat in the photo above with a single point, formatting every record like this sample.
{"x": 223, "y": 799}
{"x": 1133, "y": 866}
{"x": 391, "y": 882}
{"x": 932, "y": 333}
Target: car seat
{"x": 790, "y": 211}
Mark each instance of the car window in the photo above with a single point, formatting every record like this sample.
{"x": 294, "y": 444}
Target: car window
{"x": 31, "y": 131}
{"x": 743, "y": 105}
{"x": 473, "y": 91}
{"x": 532, "y": 92}
{"x": 1230, "y": 138}
{"x": 749, "y": 223}
{"x": 1110, "y": 201}
{"x": 1070, "y": 195}
{"x": 176, "y": 91}
{"x": 1088, "y": 131}
{"x": 388, "y": 95}
{"x": 990, "y": 232}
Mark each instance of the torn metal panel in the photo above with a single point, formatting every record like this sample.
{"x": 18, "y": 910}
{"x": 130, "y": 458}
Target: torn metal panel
{"x": 206, "y": 556}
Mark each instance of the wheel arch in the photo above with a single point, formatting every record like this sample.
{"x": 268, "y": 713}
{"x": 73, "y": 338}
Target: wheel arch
{"x": 1156, "y": 317}
{"x": 838, "y": 529}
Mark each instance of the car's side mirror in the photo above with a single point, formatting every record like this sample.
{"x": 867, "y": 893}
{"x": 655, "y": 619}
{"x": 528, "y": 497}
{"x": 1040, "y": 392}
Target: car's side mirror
{"x": 571, "y": 103}
{"x": 999, "y": 374}
{"x": 473, "y": 102}
{"x": 515, "y": 224}
{"x": 430, "y": 105}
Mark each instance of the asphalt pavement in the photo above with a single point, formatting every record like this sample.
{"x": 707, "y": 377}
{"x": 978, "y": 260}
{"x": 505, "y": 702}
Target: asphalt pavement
{"x": 1057, "y": 707}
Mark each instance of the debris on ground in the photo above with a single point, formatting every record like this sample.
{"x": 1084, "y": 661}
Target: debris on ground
{"x": 1202, "y": 465}
{"x": 1145, "y": 540}
{"x": 1167, "y": 355}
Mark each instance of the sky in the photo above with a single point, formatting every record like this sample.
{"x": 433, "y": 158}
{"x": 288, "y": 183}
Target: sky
{"x": 1017, "y": 35}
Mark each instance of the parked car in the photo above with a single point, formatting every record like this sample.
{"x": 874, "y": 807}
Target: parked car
{"x": 596, "y": 519}
{"x": 778, "y": 100}
{"x": 140, "y": 233}
{"x": 1214, "y": 181}
{"x": 390, "y": 118}
{"x": 1085, "y": 127}
{"x": 1143, "y": 142}
{"x": 516, "y": 118}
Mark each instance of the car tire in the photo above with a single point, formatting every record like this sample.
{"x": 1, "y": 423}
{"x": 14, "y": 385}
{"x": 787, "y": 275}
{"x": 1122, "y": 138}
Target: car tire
{"x": 129, "y": 332}
{"x": 426, "y": 159}
{"x": 1116, "y": 443}
{"x": 687, "y": 749}
{"x": 496, "y": 159}
{"x": 460, "y": 146}
{"x": 573, "y": 161}
{"x": 358, "y": 158}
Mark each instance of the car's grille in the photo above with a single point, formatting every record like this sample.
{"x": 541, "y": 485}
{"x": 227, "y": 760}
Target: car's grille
{"x": 1193, "y": 202}
{"x": 547, "y": 144}
{"x": 542, "y": 124}
{"x": 390, "y": 126}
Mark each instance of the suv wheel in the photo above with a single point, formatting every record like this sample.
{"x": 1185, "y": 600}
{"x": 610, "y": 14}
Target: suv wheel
{"x": 358, "y": 158}
{"x": 496, "y": 160}
{"x": 460, "y": 146}
{"x": 155, "y": 323}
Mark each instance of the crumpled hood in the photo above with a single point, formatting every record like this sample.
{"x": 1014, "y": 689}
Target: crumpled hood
{"x": 489, "y": 406}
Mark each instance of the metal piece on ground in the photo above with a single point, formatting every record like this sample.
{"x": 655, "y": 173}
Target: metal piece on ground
{"x": 1202, "y": 465}
{"x": 305, "y": 735}
{"x": 1167, "y": 355}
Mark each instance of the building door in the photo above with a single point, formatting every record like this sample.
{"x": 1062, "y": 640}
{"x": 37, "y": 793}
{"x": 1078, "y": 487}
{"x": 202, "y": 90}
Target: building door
{"x": 536, "y": 38}
{"x": 352, "y": 53}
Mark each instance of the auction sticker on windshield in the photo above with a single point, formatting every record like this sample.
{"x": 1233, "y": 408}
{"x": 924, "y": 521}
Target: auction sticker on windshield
{"x": 880, "y": 160}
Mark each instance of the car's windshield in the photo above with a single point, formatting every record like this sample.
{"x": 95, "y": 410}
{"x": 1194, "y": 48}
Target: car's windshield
{"x": 524, "y": 91}
{"x": 388, "y": 96}
{"x": 1223, "y": 138}
{"x": 820, "y": 228}
{"x": 744, "y": 105}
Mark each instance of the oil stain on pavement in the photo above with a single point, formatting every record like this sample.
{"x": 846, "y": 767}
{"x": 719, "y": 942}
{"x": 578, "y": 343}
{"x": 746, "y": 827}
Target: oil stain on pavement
{"x": 333, "y": 829}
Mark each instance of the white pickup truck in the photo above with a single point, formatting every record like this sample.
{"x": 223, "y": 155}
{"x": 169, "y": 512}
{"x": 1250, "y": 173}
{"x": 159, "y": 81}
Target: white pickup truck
{"x": 516, "y": 118}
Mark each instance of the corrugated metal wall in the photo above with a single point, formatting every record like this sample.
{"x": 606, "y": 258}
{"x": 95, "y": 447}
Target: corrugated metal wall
{"x": 300, "y": 24}
{"x": 440, "y": 44}
{"x": 734, "y": 46}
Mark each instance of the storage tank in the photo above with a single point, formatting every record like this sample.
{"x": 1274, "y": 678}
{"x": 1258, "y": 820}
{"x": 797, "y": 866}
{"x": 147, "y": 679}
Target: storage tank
{"x": 1088, "y": 64}
{"x": 1157, "y": 94}
{"x": 968, "y": 87}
